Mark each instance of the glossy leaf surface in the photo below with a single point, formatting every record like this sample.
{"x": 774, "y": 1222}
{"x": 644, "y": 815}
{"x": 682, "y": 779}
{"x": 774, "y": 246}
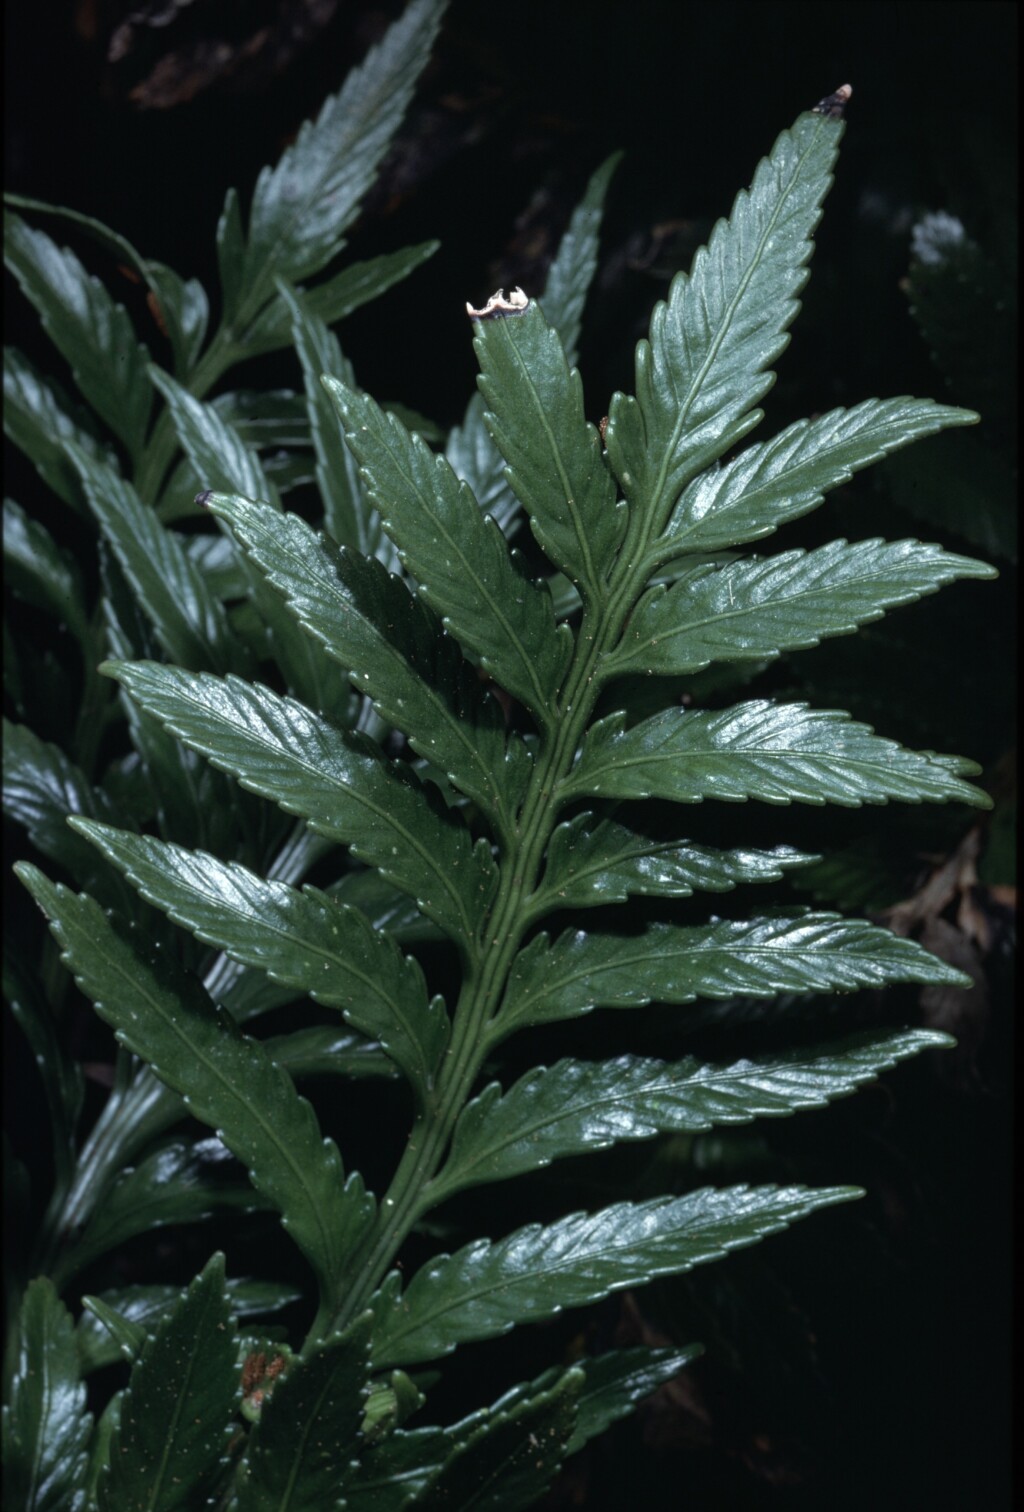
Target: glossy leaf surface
{"x": 613, "y": 1384}
{"x": 334, "y": 298}
{"x": 509, "y": 1461}
{"x": 776, "y": 481}
{"x": 302, "y": 207}
{"x": 754, "y": 608}
{"x": 39, "y": 417}
{"x": 174, "y": 1426}
{"x": 227, "y": 1079}
{"x": 144, "y": 1306}
{"x": 672, "y": 963}
{"x": 458, "y": 555}
{"x": 91, "y": 331}
{"x": 41, "y": 787}
{"x": 592, "y": 861}
{"x": 577, "y": 1106}
{"x": 309, "y": 1430}
{"x": 61, "y": 1075}
{"x": 190, "y": 623}
{"x": 304, "y": 939}
{"x": 40, "y": 571}
{"x": 392, "y": 648}
{"x": 574, "y": 264}
{"x": 184, "y": 1181}
{"x": 349, "y": 517}
{"x": 556, "y": 467}
{"x": 779, "y": 753}
{"x": 707, "y": 362}
{"x": 487, "y": 1288}
{"x": 45, "y": 1424}
{"x": 469, "y": 448}
{"x": 340, "y": 783}
{"x": 179, "y": 306}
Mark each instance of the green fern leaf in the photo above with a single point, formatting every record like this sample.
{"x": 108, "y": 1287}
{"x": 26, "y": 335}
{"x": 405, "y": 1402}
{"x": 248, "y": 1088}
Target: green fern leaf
{"x": 573, "y": 267}
{"x": 578, "y": 1106}
{"x": 227, "y": 1079}
{"x": 183, "y": 1181}
{"x": 340, "y": 783}
{"x": 304, "y": 939}
{"x": 217, "y": 453}
{"x": 706, "y": 364}
{"x": 413, "y": 672}
{"x": 334, "y": 298}
{"x": 190, "y": 799}
{"x": 779, "y": 480}
{"x": 670, "y": 963}
{"x": 302, "y": 207}
{"x": 171, "y": 1442}
{"x": 349, "y": 518}
{"x": 61, "y": 1075}
{"x": 142, "y": 1307}
{"x": 230, "y": 239}
{"x": 752, "y": 609}
{"x": 89, "y": 330}
{"x": 309, "y": 1430}
{"x": 41, "y": 572}
{"x": 487, "y": 1288}
{"x": 509, "y": 1460}
{"x": 555, "y": 463}
{"x": 390, "y": 1473}
{"x": 592, "y": 862}
{"x": 458, "y": 555}
{"x": 221, "y": 460}
{"x": 472, "y": 454}
{"x": 613, "y": 1384}
{"x": 780, "y": 753}
{"x": 126, "y": 1335}
{"x": 45, "y": 1424}
{"x": 183, "y": 306}
{"x": 190, "y": 623}
{"x": 322, "y": 1050}
{"x": 41, "y": 787}
{"x": 39, "y": 417}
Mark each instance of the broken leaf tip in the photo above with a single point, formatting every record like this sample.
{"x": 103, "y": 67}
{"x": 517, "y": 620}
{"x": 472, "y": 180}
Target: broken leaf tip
{"x": 498, "y": 307}
{"x": 834, "y": 104}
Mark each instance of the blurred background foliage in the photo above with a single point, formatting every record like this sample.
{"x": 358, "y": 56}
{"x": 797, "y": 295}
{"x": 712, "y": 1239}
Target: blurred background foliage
{"x": 865, "y": 1363}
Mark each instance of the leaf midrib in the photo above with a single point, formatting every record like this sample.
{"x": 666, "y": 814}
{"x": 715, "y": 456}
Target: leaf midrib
{"x": 697, "y": 382}
{"x": 588, "y": 575}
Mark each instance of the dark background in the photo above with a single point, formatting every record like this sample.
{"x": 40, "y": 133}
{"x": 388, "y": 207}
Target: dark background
{"x": 863, "y": 1367}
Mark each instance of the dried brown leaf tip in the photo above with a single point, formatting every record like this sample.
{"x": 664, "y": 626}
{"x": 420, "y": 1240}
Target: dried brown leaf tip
{"x": 833, "y": 105}
{"x": 498, "y": 307}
